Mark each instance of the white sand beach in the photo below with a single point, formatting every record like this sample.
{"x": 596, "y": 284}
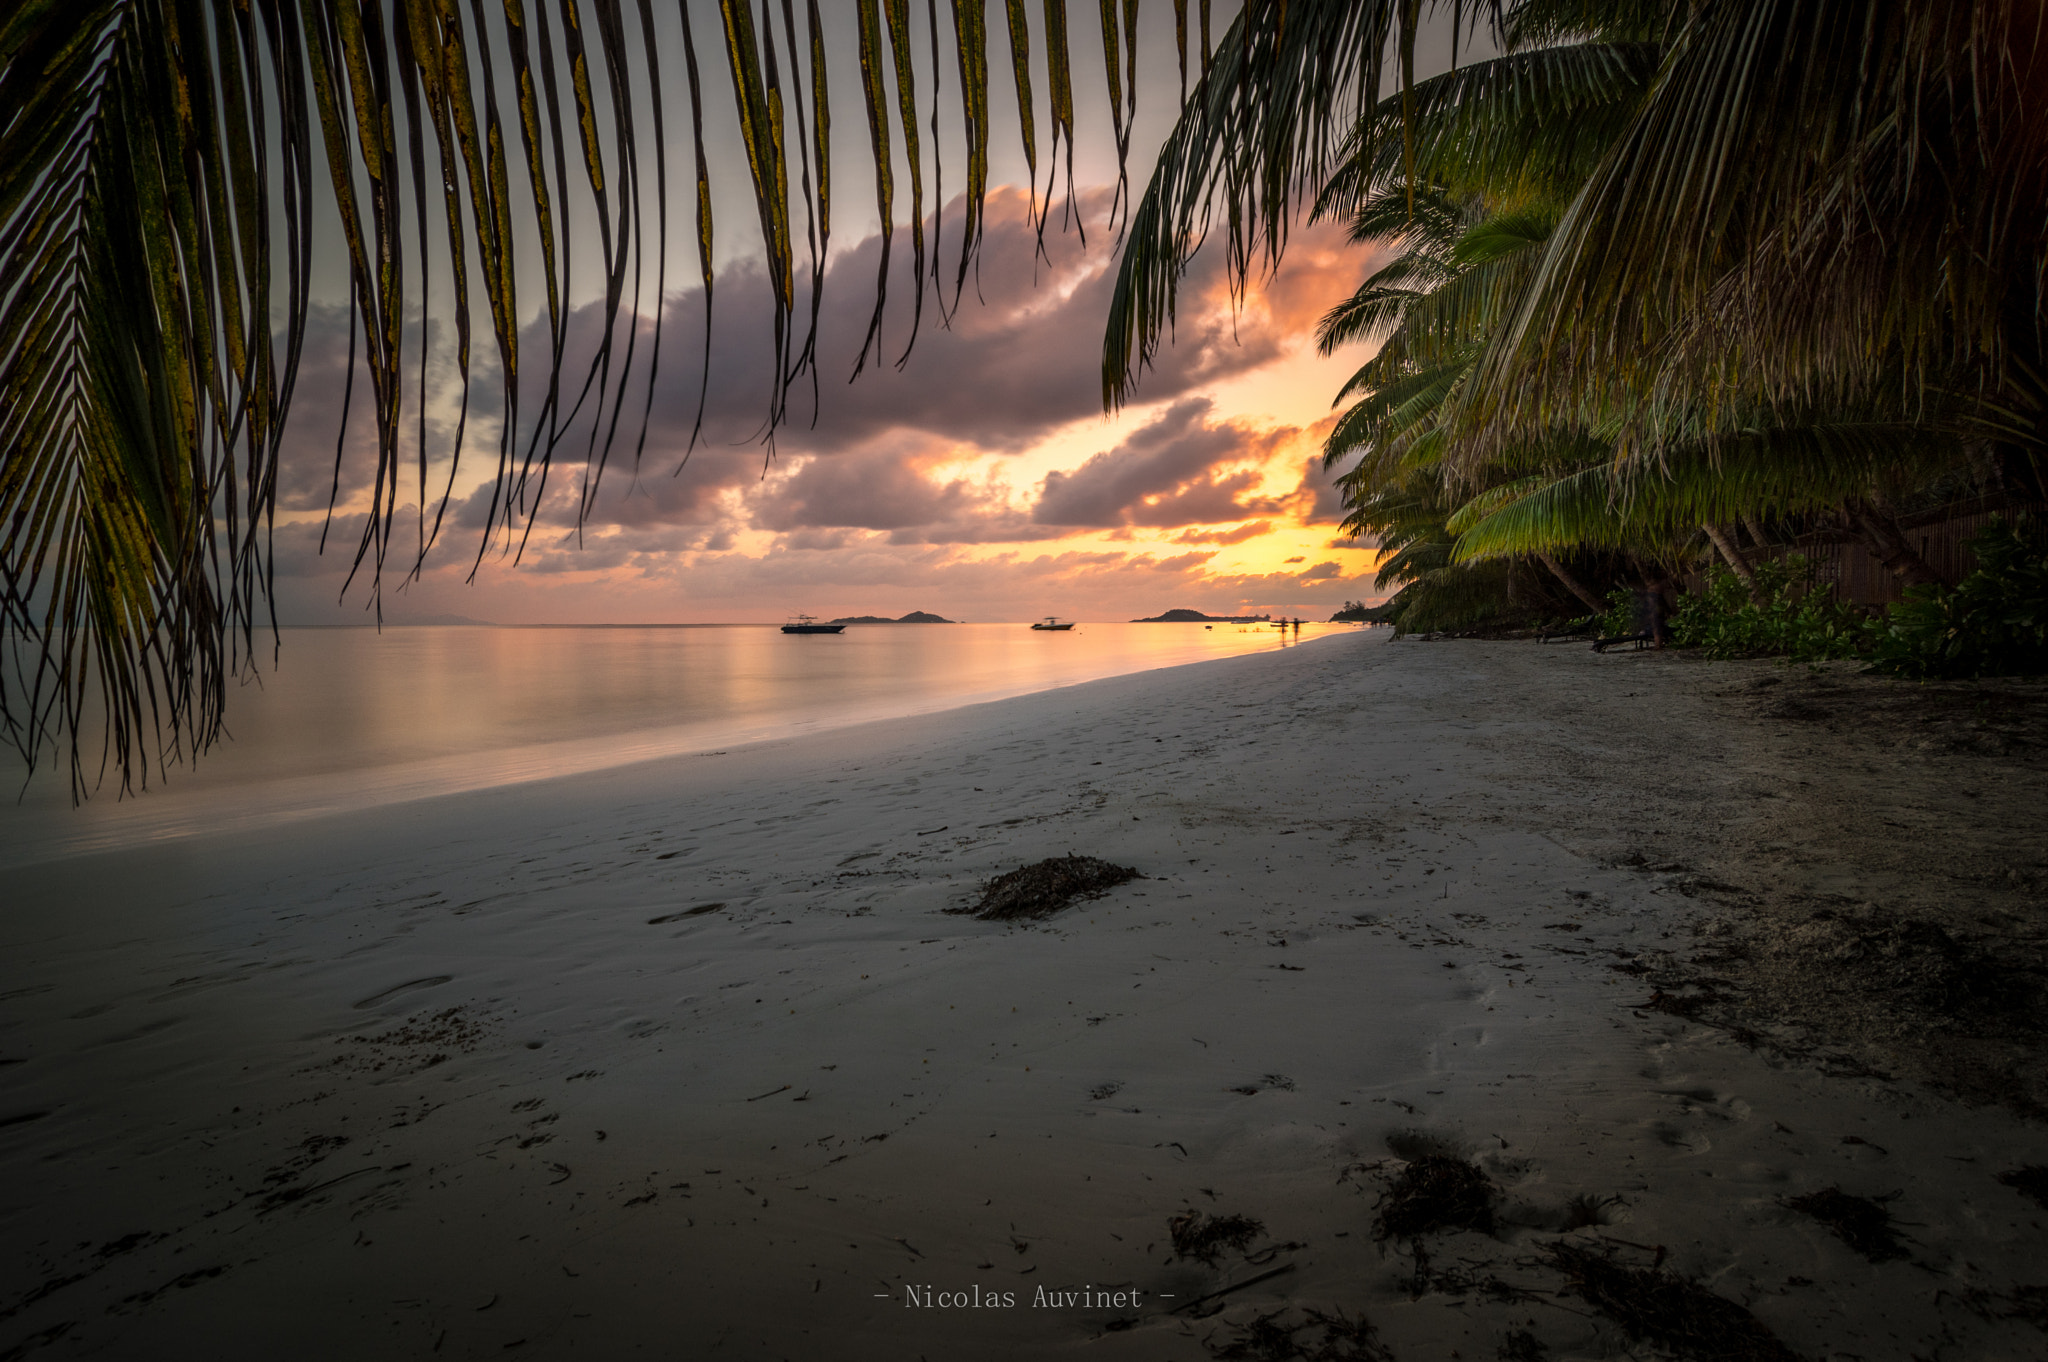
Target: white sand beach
{"x": 689, "y": 1059}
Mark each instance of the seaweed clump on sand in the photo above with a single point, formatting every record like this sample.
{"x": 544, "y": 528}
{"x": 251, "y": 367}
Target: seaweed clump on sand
{"x": 1042, "y": 889}
{"x": 1862, "y": 1224}
{"x": 1203, "y": 1238}
{"x": 1662, "y": 1308}
{"x": 1436, "y": 1192}
{"x": 2029, "y": 1181}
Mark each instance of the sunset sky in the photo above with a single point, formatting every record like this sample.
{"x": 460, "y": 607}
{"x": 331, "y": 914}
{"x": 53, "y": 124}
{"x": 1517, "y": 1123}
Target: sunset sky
{"x": 982, "y": 481}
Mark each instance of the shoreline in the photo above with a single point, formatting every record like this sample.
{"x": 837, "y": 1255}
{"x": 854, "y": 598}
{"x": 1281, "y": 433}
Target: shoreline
{"x": 459, "y": 1076}
{"x": 266, "y": 795}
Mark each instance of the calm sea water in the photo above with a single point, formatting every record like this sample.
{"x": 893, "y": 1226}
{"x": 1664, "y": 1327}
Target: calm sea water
{"x": 354, "y": 718}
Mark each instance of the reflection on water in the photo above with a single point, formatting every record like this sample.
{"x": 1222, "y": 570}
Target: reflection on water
{"x": 357, "y": 718}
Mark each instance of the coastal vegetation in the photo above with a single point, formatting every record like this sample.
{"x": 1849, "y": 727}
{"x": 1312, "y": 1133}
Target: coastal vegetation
{"x": 1671, "y": 297}
{"x": 1659, "y": 280}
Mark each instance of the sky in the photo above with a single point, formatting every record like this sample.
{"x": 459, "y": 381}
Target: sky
{"x": 981, "y": 480}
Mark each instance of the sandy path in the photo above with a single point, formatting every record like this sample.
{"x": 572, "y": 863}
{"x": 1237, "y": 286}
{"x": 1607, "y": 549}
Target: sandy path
{"x": 432, "y": 1081}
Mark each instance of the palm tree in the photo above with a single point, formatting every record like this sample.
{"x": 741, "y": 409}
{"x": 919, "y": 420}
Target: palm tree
{"x": 1503, "y": 146}
{"x": 1575, "y": 427}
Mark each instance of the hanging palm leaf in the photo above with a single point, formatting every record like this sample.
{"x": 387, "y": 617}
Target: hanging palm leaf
{"x": 1791, "y": 214}
{"x": 157, "y": 207}
{"x": 1259, "y": 133}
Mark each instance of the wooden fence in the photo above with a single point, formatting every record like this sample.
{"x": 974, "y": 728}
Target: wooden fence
{"x": 1859, "y": 577}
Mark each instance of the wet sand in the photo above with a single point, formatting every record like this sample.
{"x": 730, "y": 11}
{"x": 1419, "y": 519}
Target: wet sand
{"x": 488, "y": 1075}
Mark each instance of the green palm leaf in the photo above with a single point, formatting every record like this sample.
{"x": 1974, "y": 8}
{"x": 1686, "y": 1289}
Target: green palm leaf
{"x": 1789, "y": 213}
{"x": 1258, "y": 133}
{"x": 1528, "y": 125}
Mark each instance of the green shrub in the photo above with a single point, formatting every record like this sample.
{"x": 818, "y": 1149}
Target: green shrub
{"x": 1620, "y": 619}
{"x": 1992, "y": 623}
{"x": 1797, "y": 619}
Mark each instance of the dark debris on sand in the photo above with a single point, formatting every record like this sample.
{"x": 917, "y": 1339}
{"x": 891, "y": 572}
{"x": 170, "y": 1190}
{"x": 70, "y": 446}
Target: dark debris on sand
{"x": 2029, "y": 1181}
{"x": 1925, "y": 967}
{"x": 1685, "y": 1005}
{"x": 2030, "y": 1303}
{"x": 1862, "y": 1224}
{"x": 1436, "y": 1192}
{"x": 1964, "y": 1011}
{"x": 1662, "y": 1308}
{"x": 1203, "y": 1238}
{"x": 1043, "y": 889}
{"x": 1266, "y": 1339}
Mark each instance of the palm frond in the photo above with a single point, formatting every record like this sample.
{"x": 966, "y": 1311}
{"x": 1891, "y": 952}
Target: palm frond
{"x": 1821, "y": 215}
{"x": 145, "y": 390}
{"x": 1258, "y": 133}
{"x": 1640, "y": 502}
{"x": 1528, "y": 125}
{"x": 1541, "y": 23}
{"x": 141, "y": 393}
{"x": 1452, "y": 596}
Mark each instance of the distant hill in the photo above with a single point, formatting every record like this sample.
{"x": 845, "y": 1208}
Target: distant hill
{"x": 1197, "y": 617}
{"x": 439, "y": 619}
{"x": 914, "y": 617}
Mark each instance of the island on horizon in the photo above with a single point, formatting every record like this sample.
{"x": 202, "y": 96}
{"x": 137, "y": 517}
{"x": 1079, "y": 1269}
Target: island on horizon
{"x": 1197, "y": 617}
{"x": 914, "y": 617}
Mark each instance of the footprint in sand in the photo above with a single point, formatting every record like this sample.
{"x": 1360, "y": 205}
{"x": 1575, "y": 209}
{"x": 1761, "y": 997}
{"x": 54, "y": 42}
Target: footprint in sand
{"x": 431, "y": 981}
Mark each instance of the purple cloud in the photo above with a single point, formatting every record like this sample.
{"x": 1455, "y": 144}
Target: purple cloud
{"x": 1166, "y": 474}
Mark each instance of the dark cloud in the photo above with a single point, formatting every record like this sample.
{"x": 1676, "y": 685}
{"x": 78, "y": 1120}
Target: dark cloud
{"x": 1169, "y": 473}
{"x": 873, "y": 490}
{"x": 308, "y": 474}
{"x": 806, "y": 540}
{"x": 871, "y": 500}
{"x": 1019, "y": 358}
{"x": 1319, "y": 501}
{"x": 994, "y": 525}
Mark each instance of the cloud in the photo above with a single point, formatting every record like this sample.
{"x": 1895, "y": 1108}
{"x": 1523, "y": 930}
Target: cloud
{"x": 1321, "y": 572}
{"x": 308, "y": 472}
{"x": 1017, "y": 361}
{"x": 1179, "y": 470}
{"x": 1019, "y": 357}
{"x": 891, "y": 493}
{"x": 873, "y": 489}
{"x": 1318, "y": 500}
{"x": 1237, "y": 535}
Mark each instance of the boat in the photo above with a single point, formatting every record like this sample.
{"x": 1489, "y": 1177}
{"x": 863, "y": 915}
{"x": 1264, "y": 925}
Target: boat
{"x": 1053, "y": 622}
{"x": 808, "y": 624}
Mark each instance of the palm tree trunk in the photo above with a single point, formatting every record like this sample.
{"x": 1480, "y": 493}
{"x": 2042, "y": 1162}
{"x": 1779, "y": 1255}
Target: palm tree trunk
{"x": 1880, "y": 534}
{"x": 1737, "y": 564}
{"x": 1573, "y": 584}
{"x": 1757, "y": 538}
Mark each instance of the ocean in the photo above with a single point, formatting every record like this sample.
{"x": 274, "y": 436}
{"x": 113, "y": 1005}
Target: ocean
{"x": 355, "y": 718}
